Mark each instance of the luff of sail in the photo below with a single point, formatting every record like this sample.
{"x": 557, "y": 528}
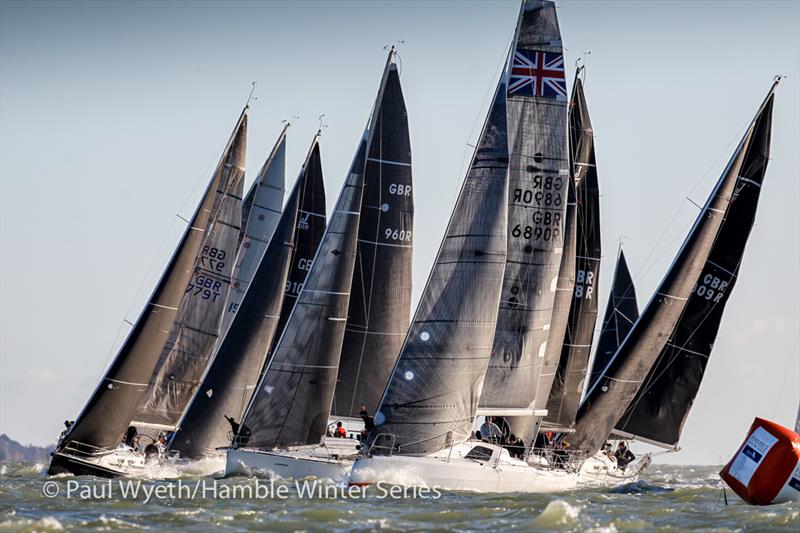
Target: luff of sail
{"x": 621, "y": 313}
{"x": 538, "y": 175}
{"x": 231, "y": 378}
{"x": 263, "y": 212}
{"x": 624, "y": 375}
{"x": 194, "y": 335}
{"x": 107, "y": 414}
{"x": 294, "y": 397}
{"x": 575, "y": 347}
{"x": 380, "y": 299}
{"x": 660, "y": 408}
{"x": 433, "y": 392}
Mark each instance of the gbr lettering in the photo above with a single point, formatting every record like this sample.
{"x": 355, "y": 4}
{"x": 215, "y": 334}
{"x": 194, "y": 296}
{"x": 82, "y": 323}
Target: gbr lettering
{"x": 711, "y": 289}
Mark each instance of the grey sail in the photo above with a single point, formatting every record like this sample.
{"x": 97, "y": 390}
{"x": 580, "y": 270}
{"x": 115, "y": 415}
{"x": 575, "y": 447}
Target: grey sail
{"x": 575, "y": 347}
{"x": 194, "y": 335}
{"x": 107, "y": 414}
{"x": 231, "y": 378}
{"x": 659, "y": 410}
{"x": 380, "y": 299}
{"x": 294, "y": 397}
{"x": 712, "y": 251}
{"x": 264, "y": 201}
{"x": 432, "y": 395}
{"x": 621, "y": 313}
{"x": 538, "y": 181}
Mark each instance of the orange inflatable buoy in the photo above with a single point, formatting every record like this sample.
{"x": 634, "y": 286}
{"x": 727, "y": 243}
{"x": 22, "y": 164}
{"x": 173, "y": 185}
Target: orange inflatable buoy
{"x": 766, "y": 468}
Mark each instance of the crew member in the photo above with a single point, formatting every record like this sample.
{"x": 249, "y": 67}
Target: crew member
{"x": 623, "y": 455}
{"x": 490, "y": 432}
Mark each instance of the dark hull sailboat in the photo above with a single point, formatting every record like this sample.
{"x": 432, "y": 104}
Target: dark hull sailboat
{"x": 647, "y": 388}
{"x": 92, "y": 439}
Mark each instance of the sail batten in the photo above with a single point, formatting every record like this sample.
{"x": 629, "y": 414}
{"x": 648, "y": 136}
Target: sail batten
{"x": 719, "y": 233}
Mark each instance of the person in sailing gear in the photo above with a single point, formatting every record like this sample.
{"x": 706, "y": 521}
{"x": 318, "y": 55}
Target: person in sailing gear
{"x": 490, "y": 432}
{"x": 131, "y": 437}
{"x": 369, "y": 422}
{"x": 241, "y": 433}
{"x": 608, "y": 450}
{"x": 623, "y": 455}
{"x": 151, "y": 452}
{"x": 561, "y": 454}
{"x": 67, "y": 425}
{"x": 515, "y": 447}
{"x": 340, "y": 431}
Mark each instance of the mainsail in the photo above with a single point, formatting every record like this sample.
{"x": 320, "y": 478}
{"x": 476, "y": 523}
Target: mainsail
{"x": 567, "y": 387}
{"x": 380, "y": 299}
{"x": 107, "y": 414}
{"x": 264, "y": 201}
{"x": 230, "y": 379}
{"x": 621, "y": 313}
{"x": 675, "y": 332}
{"x": 293, "y": 399}
{"x": 538, "y": 176}
{"x": 436, "y": 382}
{"x": 194, "y": 335}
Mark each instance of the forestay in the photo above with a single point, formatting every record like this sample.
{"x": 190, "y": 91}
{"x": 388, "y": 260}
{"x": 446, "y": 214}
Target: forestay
{"x": 706, "y": 264}
{"x": 108, "y": 412}
{"x": 230, "y": 379}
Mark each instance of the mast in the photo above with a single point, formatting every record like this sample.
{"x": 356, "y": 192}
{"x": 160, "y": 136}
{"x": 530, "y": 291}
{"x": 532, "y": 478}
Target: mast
{"x": 107, "y": 414}
{"x": 194, "y": 334}
{"x": 563, "y": 389}
{"x": 538, "y": 175}
{"x": 263, "y": 210}
{"x": 693, "y": 293}
{"x": 432, "y": 394}
{"x": 230, "y": 379}
{"x": 380, "y": 300}
{"x": 293, "y": 400}
{"x": 621, "y": 313}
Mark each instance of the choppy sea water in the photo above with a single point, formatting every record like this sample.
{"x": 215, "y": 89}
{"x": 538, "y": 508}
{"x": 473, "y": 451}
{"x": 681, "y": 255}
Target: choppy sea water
{"x": 668, "y": 498}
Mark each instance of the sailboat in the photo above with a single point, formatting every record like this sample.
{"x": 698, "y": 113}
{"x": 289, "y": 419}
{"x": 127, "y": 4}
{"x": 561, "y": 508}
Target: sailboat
{"x": 228, "y": 383}
{"x": 287, "y": 419}
{"x": 93, "y": 443}
{"x": 647, "y": 388}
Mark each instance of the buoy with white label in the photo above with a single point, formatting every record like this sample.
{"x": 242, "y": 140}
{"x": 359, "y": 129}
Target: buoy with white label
{"x": 766, "y": 468}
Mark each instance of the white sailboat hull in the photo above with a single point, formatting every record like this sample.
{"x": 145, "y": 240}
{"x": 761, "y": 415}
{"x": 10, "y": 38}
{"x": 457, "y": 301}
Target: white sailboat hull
{"x": 450, "y": 469}
{"x": 296, "y": 463}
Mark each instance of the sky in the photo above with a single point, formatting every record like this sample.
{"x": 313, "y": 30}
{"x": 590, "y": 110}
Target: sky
{"x": 113, "y": 114}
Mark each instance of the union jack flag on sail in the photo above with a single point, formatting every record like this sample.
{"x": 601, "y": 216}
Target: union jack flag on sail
{"x": 535, "y": 73}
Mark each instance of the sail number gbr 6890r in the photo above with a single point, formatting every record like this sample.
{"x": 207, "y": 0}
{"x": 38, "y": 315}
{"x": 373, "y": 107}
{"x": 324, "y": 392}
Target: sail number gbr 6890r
{"x": 546, "y": 223}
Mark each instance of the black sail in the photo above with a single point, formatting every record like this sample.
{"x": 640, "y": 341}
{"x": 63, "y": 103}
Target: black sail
{"x": 712, "y": 250}
{"x": 661, "y": 406}
{"x": 538, "y": 182}
{"x": 433, "y": 392}
{"x": 621, "y": 313}
{"x": 294, "y": 397}
{"x": 380, "y": 299}
{"x": 230, "y": 379}
{"x": 107, "y": 414}
{"x": 568, "y": 384}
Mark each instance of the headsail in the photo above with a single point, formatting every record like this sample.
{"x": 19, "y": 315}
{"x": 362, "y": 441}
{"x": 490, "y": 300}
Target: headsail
{"x": 264, "y": 201}
{"x": 380, "y": 300}
{"x": 659, "y": 409}
{"x": 293, "y": 400}
{"x": 621, "y": 313}
{"x": 567, "y": 387}
{"x": 107, "y": 414}
{"x": 538, "y": 179}
{"x": 433, "y": 392}
{"x": 229, "y": 381}
{"x": 194, "y": 335}
{"x": 687, "y": 305}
